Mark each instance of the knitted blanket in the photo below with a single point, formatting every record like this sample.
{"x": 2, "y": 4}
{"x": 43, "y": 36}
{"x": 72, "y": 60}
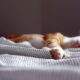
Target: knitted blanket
{"x": 21, "y": 61}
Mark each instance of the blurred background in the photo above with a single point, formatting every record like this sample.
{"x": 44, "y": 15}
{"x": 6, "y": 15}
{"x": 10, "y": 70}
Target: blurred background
{"x": 40, "y": 16}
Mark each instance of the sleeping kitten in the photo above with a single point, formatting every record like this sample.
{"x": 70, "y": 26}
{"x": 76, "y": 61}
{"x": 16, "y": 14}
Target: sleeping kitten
{"x": 56, "y": 42}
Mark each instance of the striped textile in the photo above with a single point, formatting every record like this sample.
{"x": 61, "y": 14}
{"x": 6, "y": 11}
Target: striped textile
{"x": 21, "y": 62}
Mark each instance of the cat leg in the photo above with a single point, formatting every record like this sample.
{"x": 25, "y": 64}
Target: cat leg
{"x": 71, "y": 42}
{"x": 76, "y": 42}
{"x": 57, "y": 52}
{"x": 55, "y": 49}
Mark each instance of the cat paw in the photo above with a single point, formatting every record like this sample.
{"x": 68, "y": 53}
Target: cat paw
{"x": 57, "y": 54}
{"x": 76, "y": 44}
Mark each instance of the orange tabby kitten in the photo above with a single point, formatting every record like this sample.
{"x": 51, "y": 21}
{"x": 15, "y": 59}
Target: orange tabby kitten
{"x": 56, "y": 42}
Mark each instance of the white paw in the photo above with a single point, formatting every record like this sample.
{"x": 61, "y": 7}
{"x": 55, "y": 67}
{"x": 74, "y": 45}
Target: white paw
{"x": 76, "y": 44}
{"x": 57, "y": 54}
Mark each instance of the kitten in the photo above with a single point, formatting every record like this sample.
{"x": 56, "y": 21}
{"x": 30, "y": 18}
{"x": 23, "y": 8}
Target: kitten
{"x": 56, "y": 42}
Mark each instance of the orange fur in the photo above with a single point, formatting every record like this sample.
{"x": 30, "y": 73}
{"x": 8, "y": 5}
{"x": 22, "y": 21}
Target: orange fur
{"x": 23, "y": 37}
{"x": 50, "y": 36}
{"x": 54, "y": 38}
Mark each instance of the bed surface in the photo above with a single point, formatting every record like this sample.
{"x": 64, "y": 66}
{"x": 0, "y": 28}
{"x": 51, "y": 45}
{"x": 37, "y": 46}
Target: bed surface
{"x": 23, "y": 62}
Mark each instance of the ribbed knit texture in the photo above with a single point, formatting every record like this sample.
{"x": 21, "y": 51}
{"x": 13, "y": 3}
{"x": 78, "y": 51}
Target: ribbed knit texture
{"x": 23, "y": 62}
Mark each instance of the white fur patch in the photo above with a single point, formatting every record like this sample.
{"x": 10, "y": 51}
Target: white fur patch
{"x": 37, "y": 42}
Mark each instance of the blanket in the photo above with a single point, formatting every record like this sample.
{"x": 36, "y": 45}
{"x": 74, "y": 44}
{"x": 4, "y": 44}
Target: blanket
{"x": 21, "y": 61}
